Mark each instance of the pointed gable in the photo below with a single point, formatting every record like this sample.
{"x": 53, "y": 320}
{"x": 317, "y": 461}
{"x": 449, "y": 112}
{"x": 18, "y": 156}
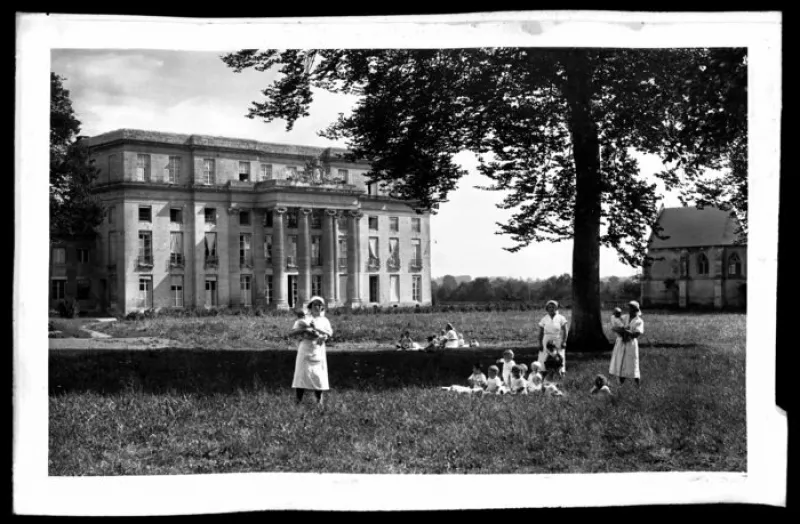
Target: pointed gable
{"x": 692, "y": 227}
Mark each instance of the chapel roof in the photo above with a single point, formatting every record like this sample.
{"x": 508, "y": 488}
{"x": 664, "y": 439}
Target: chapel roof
{"x": 694, "y": 227}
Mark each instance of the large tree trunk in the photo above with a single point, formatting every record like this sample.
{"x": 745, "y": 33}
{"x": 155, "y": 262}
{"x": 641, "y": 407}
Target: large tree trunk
{"x": 586, "y": 328}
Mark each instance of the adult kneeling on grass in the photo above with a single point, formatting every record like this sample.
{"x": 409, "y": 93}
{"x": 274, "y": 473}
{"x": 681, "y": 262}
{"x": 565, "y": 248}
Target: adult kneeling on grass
{"x": 311, "y": 365}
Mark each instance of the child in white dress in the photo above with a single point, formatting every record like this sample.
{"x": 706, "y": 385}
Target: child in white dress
{"x": 535, "y": 379}
{"x": 494, "y": 384}
{"x": 508, "y": 364}
{"x": 518, "y": 385}
{"x": 477, "y": 382}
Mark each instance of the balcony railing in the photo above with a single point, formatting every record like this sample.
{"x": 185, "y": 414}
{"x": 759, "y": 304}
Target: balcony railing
{"x": 144, "y": 261}
{"x": 176, "y": 260}
{"x": 316, "y": 262}
{"x": 342, "y": 263}
{"x": 415, "y": 264}
{"x": 291, "y": 262}
{"x": 373, "y": 264}
{"x": 393, "y": 264}
{"x": 212, "y": 261}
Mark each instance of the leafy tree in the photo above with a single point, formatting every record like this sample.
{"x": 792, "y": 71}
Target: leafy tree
{"x": 555, "y": 128}
{"x": 74, "y": 211}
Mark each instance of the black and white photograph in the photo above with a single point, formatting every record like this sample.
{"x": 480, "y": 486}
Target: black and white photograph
{"x": 318, "y": 262}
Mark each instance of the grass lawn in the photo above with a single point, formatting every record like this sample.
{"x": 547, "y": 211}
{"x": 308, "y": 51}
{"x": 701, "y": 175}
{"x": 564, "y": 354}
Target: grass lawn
{"x": 232, "y": 410}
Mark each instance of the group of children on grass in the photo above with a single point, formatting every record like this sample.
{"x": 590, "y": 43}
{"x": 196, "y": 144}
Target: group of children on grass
{"x": 447, "y": 338}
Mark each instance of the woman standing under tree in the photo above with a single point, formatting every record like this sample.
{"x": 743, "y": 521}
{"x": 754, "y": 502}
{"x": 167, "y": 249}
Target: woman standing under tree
{"x": 311, "y": 365}
{"x": 553, "y": 327}
{"x": 625, "y": 357}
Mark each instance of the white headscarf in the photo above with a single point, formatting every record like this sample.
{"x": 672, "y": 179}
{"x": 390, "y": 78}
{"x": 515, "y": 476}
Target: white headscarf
{"x": 316, "y": 299}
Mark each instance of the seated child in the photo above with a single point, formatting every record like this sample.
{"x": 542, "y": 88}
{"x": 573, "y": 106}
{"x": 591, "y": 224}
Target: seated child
{"x": 477, "y": 379}
{"x": 461, "y": 342}
{"x": 600, "y": 387}
{"x": 553, "y": 362}
{"x": 433, "y": 344}
{"x": 494, "y": 384}
{"x": 474, "y": 343}
{"x": 508, "y": 364}
{"x": 535, "y": 379}
{"x": 405, "y": 343}
{"x": 518, "y": 385}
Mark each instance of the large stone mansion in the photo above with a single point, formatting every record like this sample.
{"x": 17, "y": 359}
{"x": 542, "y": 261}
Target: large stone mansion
{"x": 202, "y": 221}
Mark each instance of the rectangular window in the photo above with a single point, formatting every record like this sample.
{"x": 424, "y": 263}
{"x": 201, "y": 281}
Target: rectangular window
{"x": 84, "y": 287}
{"x": 210, "y": 244}
{"x": 291, "y": 258}
{"x": 176, "y": 215}
{"x": 245, "y": 254}
{"x": 344, "y": 176}
{"x": 416, "y": 225}
{"x": 268, "y": 248}
{"x": 416, "y": 288}
{"x": 394, "y": 288}
{"x": 316, "y": 285}
{"x": 342, "y": 287}
{"x": 316, "y": 219}
{"x": 59, "y": 255}
{"x": 291, "y": 219}
{"x": 143, "y": 168}
{"x": 211, "y": 291}
{"x": 245, "y": 290}
{"x": 83, "y": 255}
{"x": 244, "y": 218}
{"x": 373, "y": 261}
{"x": 111, "y": 210}
{"x": 372, "y": 188}
{"x": 146, "y": 291}
{"x": 394, "y": 224}
{"x": 394, "y": 253}
{"x": 316, "y": 243}
{"x": 416, "y": 256}
{"x": 211, "y": 215}
{"x": 373, "y": 223}
{"x": 342, "y": 262}
{"x": 266, "y": 172}
{"x": 176, "y": 290}
{"x": 145, "y": 214}
{"x": 176, "y": 248}
{"x": 268, "y": 290}
{"x": 374, "y": 288}
{"x": 341, "y": 223}
{"x": 244, "y": 171}
{"x": 291, "y": 172}
{"x": 174, "y": 170}
{"x": 209, "y": 174}
{"x": 145, "y": 248}
{"x": 268, "y": 218}
{"x": 58, "y": 288}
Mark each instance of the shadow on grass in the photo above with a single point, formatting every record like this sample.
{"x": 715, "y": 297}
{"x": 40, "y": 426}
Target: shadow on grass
{"x": 227, "y": 371}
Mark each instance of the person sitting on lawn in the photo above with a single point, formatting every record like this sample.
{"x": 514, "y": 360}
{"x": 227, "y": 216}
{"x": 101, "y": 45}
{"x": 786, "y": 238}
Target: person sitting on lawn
{"x": 433, "y": 344}
{"x": 494, "y": 384}
{"x": 450, "y": 337}
{"x": 535, "y": 379}
{"x": 600, "y": 387}
{"x": 405, "y": 343}
{"x": 474, "y": 343}
{"x": 508, "y": 363}
{"x": 553, "y": 362}
{"x": 461, "y": 342}
{"x": 518, "y": 385}
{"x": 477, "y": 379}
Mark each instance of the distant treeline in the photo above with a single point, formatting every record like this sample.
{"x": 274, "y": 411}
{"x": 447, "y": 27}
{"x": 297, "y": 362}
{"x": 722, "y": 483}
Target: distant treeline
{"x": 450, "y": 289}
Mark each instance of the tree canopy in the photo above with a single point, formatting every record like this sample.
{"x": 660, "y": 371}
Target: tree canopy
{"x": 74, "y": 211}
{"x": 556, "y": 129}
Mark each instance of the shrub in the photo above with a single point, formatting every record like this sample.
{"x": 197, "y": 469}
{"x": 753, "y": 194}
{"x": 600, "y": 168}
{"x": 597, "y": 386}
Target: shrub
{"x": 68, "y": 308}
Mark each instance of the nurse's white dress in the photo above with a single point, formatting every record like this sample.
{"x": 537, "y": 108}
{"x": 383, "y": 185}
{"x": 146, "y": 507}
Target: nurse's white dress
{"x": 552, "y": 331}
{"x": 625, "y": 357}
{"x": 311, "y": 365}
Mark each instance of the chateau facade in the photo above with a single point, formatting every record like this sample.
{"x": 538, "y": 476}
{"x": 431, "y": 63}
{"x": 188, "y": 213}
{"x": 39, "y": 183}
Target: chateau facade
{"x": 698, "y": 262}
{"x": 201, "y": 221}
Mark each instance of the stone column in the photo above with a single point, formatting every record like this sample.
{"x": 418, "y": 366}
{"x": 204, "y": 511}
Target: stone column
{"x": 279, "y": 286}
{"x": 718, "y": 273}
{"x": 328, "y": 247}
{"x": 354, "y": 258}
{"x": 303, "y": 256}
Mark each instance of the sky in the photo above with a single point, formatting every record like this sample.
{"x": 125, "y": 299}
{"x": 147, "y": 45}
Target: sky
{"x": 194, "y": 92}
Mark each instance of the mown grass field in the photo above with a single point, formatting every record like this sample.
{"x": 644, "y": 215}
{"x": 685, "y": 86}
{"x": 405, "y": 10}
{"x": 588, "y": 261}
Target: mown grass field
{"x": 232, "y": 410}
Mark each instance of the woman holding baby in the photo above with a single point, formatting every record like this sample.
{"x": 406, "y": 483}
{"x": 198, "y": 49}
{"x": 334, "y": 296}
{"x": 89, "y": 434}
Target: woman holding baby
{"x": 311, "y": 365}
{"x": 553, "y": 328}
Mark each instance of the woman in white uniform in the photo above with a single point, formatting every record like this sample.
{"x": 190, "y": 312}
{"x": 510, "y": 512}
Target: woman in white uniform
{"x": 311, "y": 365}
{"x": 625, "y": 357}
{"x": 553, "y": 326}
